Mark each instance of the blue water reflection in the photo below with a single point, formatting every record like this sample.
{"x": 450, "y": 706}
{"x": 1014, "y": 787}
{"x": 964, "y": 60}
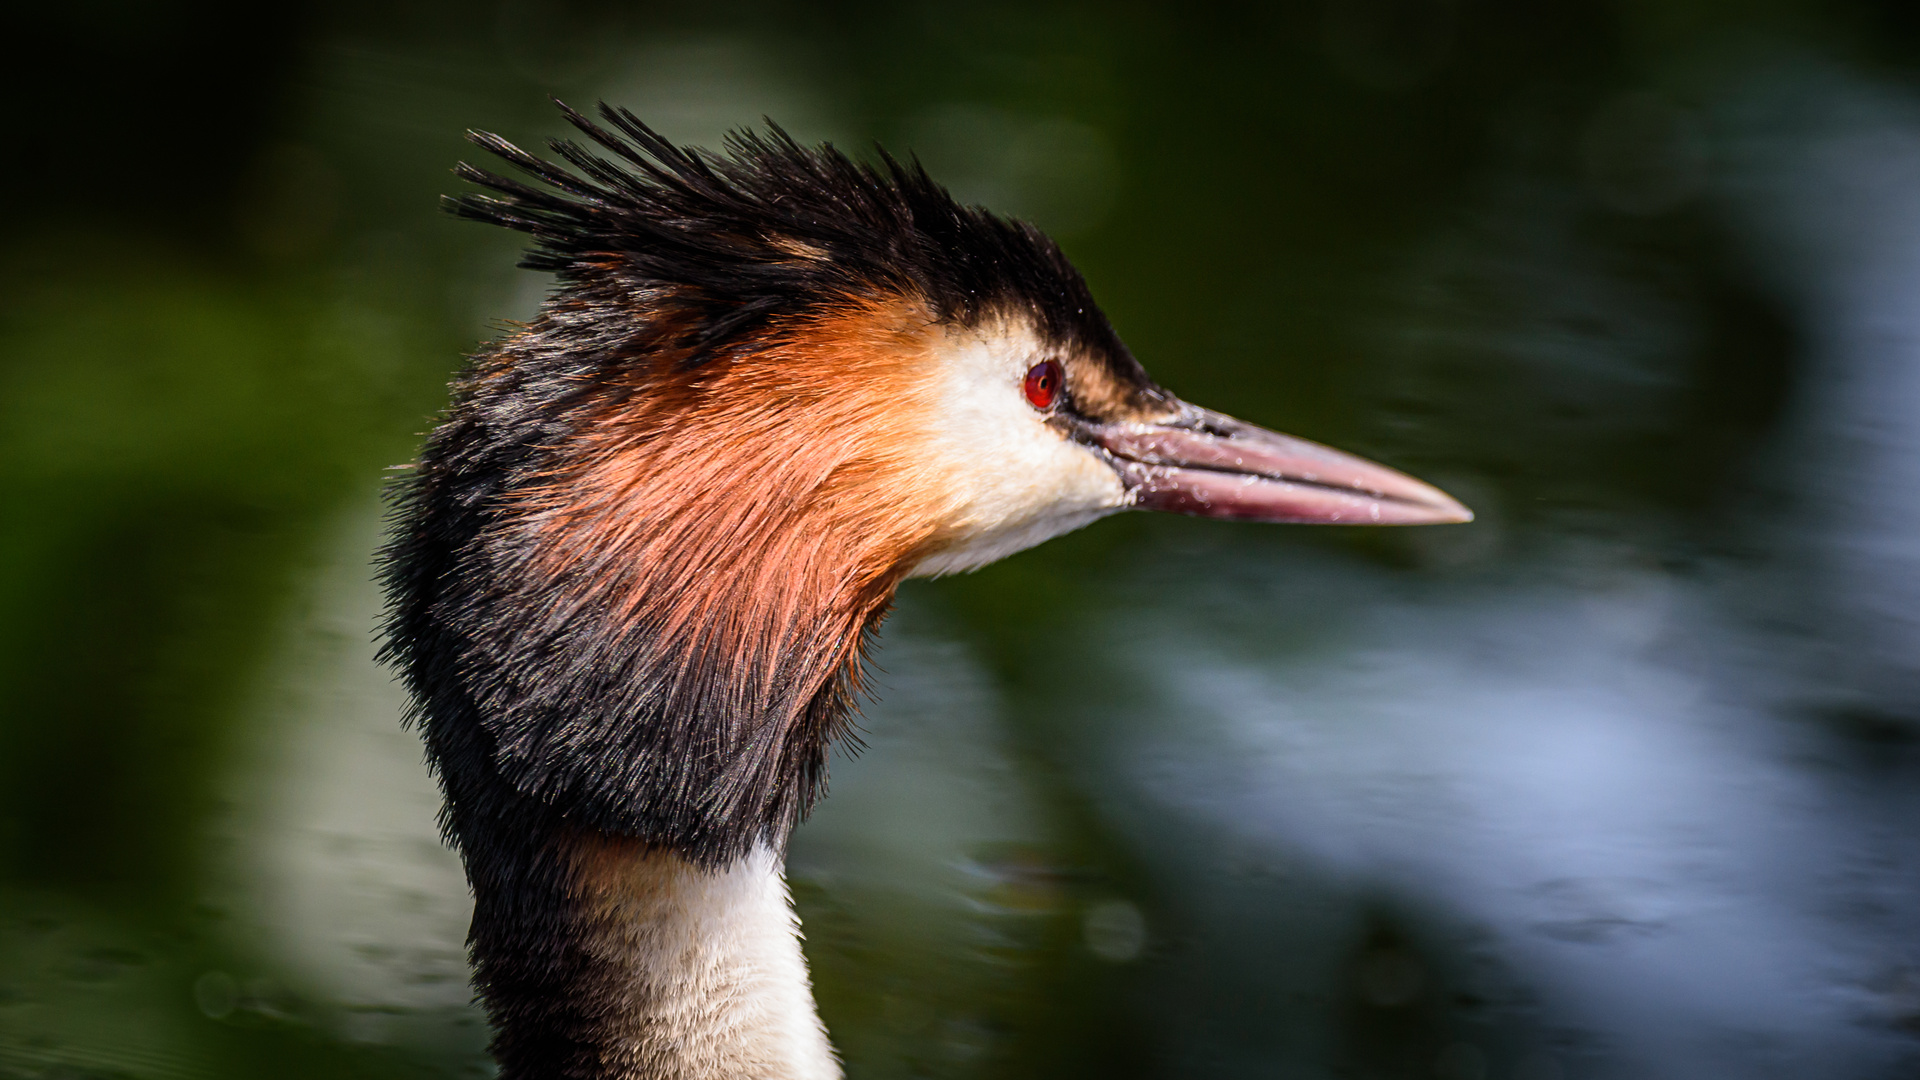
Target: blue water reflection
{"x": 1823, "y": 181}
{"x": 1654, "y": 821}
{"x": 1589, "y": 797}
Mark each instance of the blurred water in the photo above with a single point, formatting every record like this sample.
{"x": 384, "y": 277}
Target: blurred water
{"x": 1582, "y": 796}
{"x": 1822, "y": 181}
{"x": 1646, "y": 821}
{"x": 328, "y": 849}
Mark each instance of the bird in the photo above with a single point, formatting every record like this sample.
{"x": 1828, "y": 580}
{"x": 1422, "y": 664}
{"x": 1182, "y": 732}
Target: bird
{"x": 634, "y": 573}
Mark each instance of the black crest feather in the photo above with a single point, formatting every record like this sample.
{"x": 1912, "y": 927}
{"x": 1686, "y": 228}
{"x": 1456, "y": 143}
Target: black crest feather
{"x": 771, "y": 228}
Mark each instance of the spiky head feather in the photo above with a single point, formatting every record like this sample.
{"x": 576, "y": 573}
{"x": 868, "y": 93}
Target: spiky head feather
{"x": 772, "y": 228}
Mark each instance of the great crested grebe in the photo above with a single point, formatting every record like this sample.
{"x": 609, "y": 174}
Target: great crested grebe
{"x": 631, "y": 579}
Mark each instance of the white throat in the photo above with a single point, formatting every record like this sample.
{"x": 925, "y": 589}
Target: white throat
{"x": 715, "y": 983}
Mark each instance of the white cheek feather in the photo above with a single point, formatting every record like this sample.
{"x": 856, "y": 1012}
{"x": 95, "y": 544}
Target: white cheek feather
{"x": 1012, "y": 481}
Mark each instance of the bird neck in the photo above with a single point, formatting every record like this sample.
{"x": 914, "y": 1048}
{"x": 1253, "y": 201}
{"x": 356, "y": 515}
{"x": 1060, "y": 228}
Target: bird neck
{"x": 610, "y": 958}
{"x": 629, "y": 597}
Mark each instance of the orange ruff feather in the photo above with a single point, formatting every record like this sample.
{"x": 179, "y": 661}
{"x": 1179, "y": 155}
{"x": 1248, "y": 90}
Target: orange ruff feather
{"x": 754, "y": 509}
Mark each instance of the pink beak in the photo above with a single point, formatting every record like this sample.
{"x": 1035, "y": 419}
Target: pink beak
{"x": 1207, "y": 464}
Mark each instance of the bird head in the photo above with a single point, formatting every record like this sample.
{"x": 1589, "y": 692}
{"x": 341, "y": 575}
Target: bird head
{"x": 635, "y": 571}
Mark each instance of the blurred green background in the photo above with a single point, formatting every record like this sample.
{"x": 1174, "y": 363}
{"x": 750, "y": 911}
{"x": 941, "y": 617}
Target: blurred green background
{"x": 1636, "y": 279}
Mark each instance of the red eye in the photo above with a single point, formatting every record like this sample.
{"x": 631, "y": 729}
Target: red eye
{"x": 1043, "y": 384}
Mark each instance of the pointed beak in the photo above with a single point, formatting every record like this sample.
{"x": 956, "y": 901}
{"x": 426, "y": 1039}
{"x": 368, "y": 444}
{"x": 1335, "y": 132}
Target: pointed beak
{"x": 1208, "y": 464}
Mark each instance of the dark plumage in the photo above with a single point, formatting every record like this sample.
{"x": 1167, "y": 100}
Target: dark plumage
{"x": 772, "y": 228}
